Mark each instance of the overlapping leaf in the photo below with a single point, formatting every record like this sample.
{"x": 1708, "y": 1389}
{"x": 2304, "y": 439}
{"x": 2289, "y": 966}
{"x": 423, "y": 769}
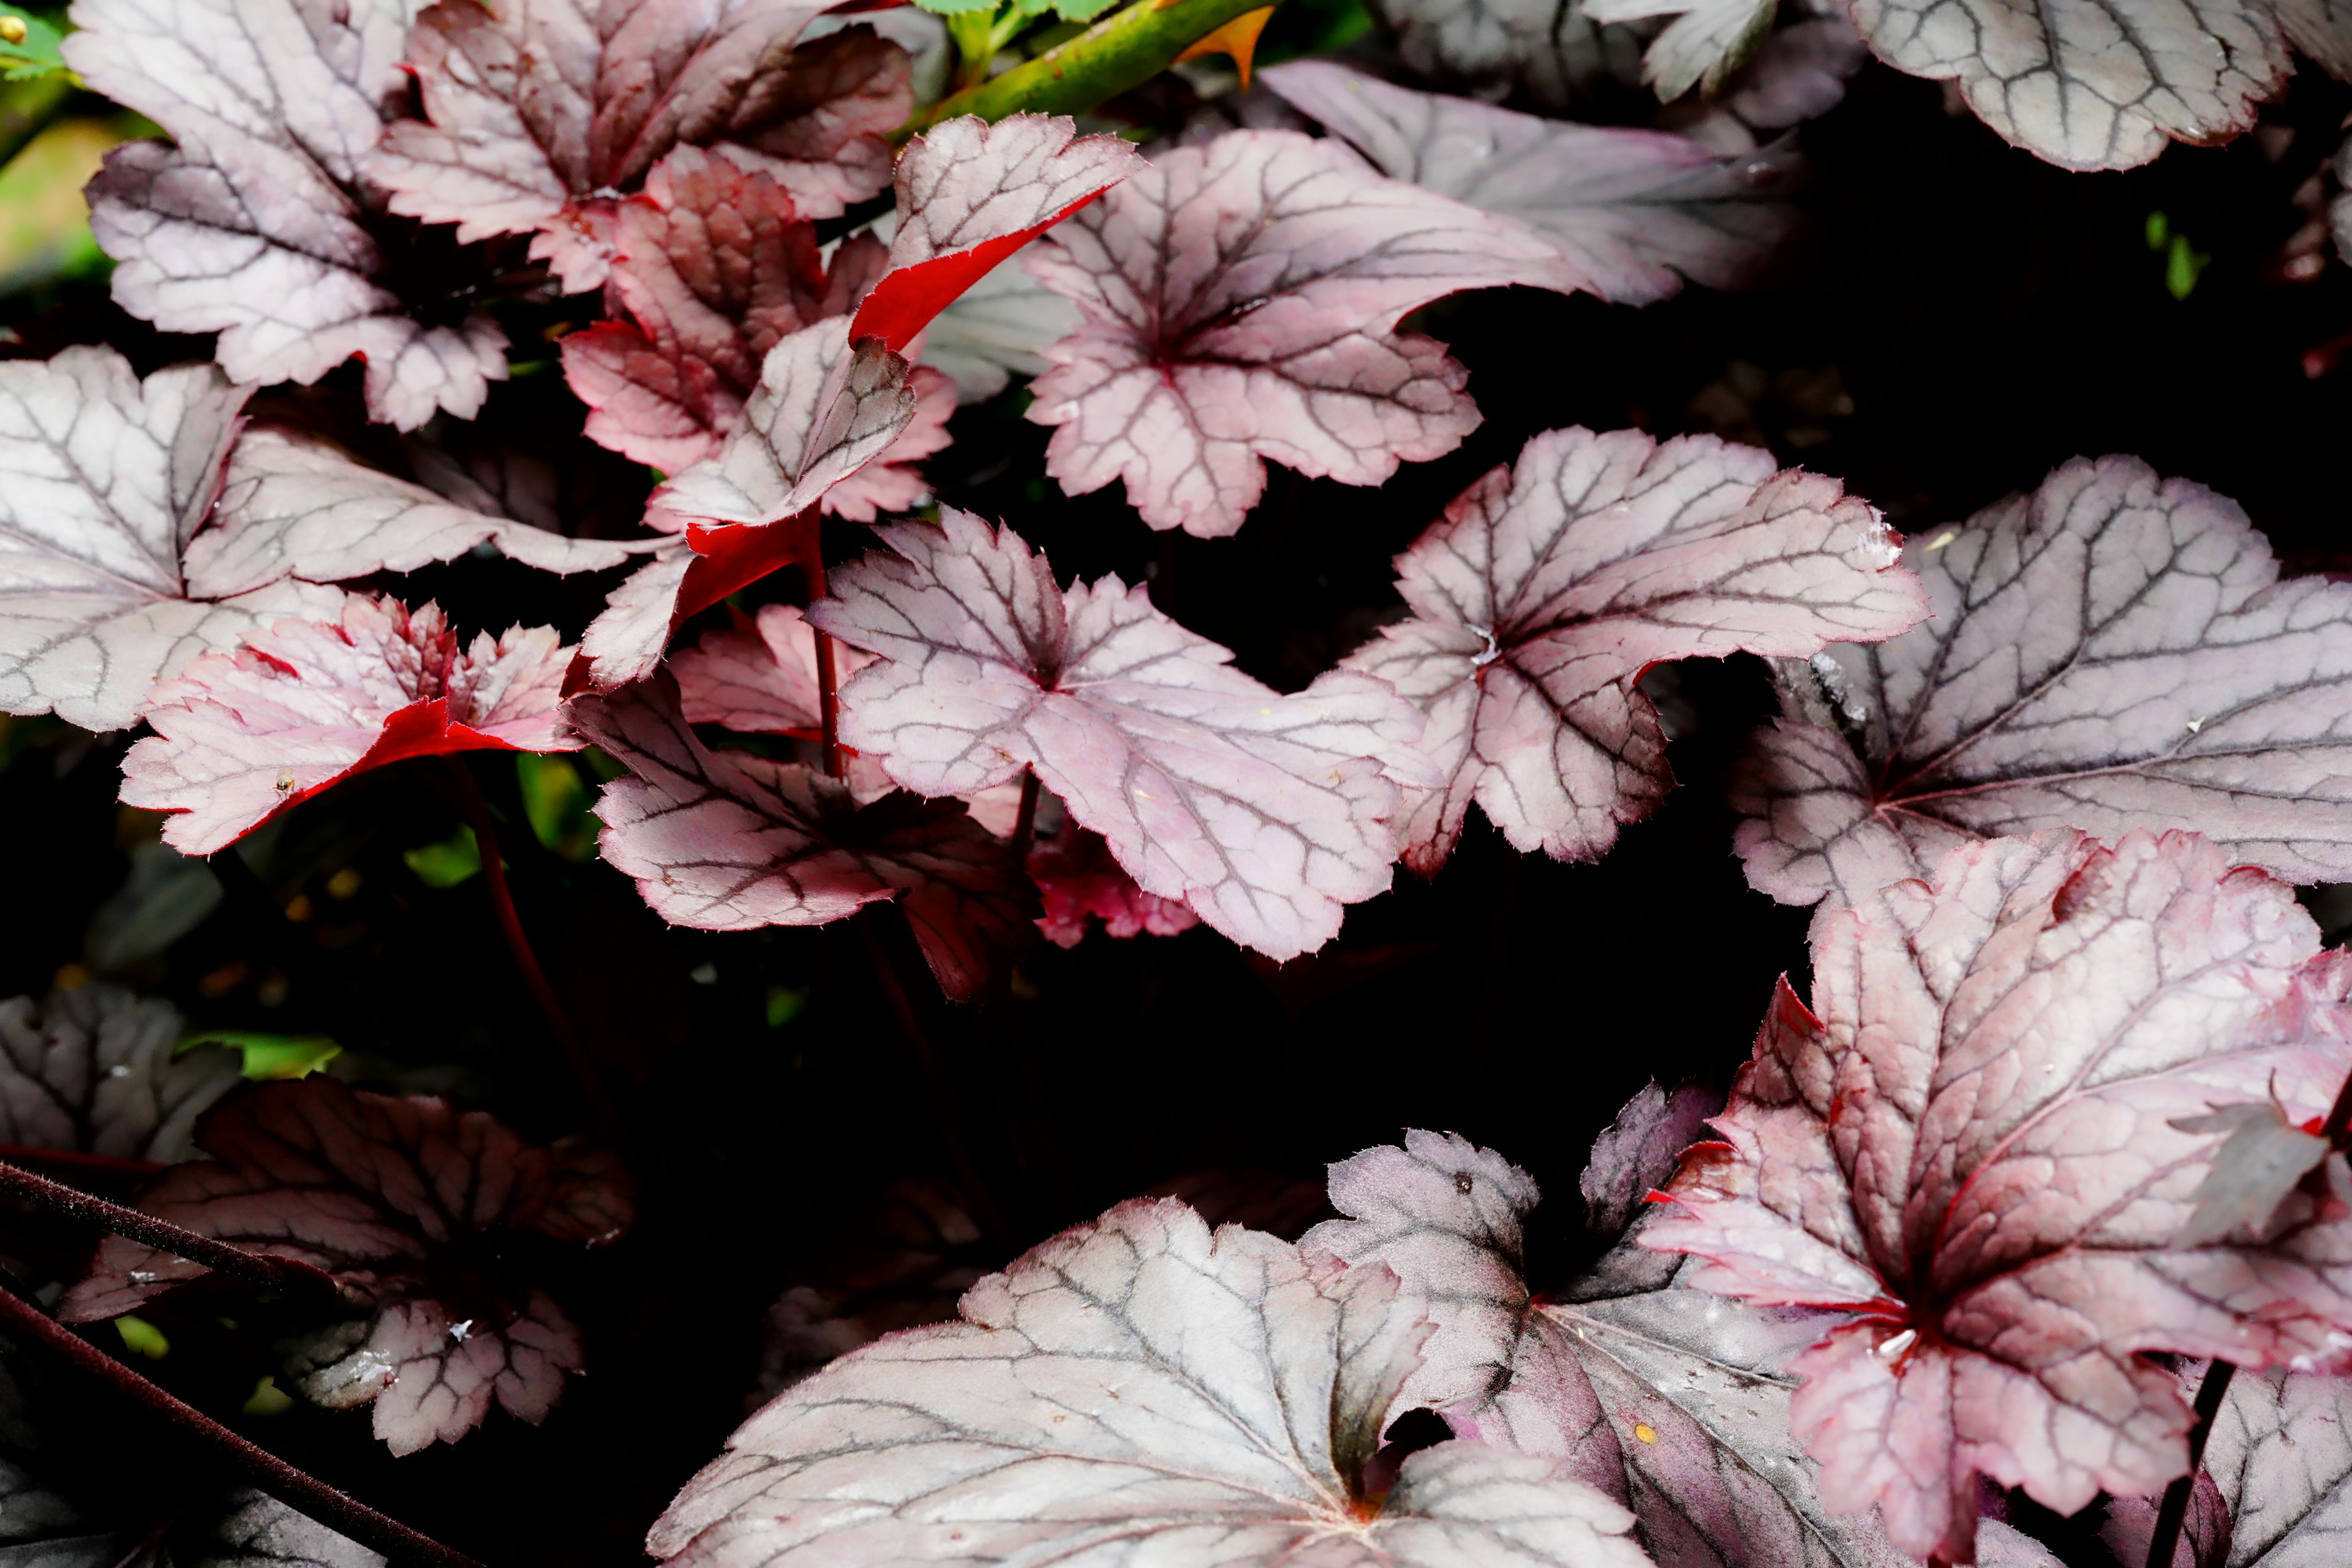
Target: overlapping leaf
{"x": 1704, "y": 43}
{"x": 2280, "y": 1459}
{"x": 1135, "y": 1387}
{"x": 761, "y": 678}
{"x": 98, "y": 1069}
{"x": 1640, "y": 1150}
{"x": 1241, "y": 302}
{"x": 713, "y": 267}
{"x": 2104, "y": 84}
{"x": 998, "y": 329}
{"x": 109, "y": 479}
{"x": 1549, "y": 587}
{"x": 1669, "y": 1400}
{"x": 1630, "y": 213}
{"x": 1546, "y": 49}
{"x": 540, "y": 116}
{"x": 241, "y": 737}
{"x": 732, "y": 842}
{"x": 1971, "y": 1147}
{"x": 1264, "y": 812}
{"x": 260, "y": 224}
{"x": 410, "y": 1203}
{"x": 1080, "y": 882}
{"x": 2112, "y": 651}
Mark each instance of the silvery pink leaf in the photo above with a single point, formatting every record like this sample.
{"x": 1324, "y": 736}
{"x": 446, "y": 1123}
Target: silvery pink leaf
{"x": 758, "y": 680}
{"x": 1670, "y": 1400}
{"x": 1797, "y": 73}
{"x": 998, "y": 329}
{"x": 2262, "y": 1160}
{"x": 713, "y": 266}
{"x": 260, "y": 223}
{"x": 969, "y": 195}
{"x": 1640, "y": 1150}
{"x": 1264, "y": 812}
{"x": 294, "y": 506}
{"x": 2091, "y": 84}
{"x": 1546, "y": 49}
{"x": 2115, "y": 651}
{"x": 96, "y": 1069}
{"x": 1134, "y": 1388}
{"x": 1966, "y": 1146}
{"x": 1241, "y": 302}
{"x": 2003, "y": 1545}
{"x": 241, "y": 737}
{"x": 731, "y": 841}
{"x": 390, "y": 1195}
{"x": 1080, "y": 883}
{"x": 1630, "y": 213}
{"x": 1704, "y": 43}
{"x": 2130, "y": 1529}
{"x": 109, "y": 481}
{"x": 2281, "y": 1457}
{"x": 1549, "y": 587}
{"x": 538, "y": 117}
{"x": 255, "y": 1530}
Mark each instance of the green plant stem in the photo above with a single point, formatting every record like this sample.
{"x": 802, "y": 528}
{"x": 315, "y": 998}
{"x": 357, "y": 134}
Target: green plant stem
{"x": 1123, "y": 50}
{"x": 2173, "y": 1510}
{"x": 303, "y": 1493}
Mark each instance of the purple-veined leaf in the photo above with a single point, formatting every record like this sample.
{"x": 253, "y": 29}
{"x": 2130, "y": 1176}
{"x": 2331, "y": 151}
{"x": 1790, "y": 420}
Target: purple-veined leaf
{"x": 1547, "y": 589}
{"x": 713, "y": 266}
{"x": 1667, "y": 1399}
{"x": 1798, "y": 72}
{"x": 1264, "y": 812}
{"x": 260, "y": 224}
{"x": 109, "y": 481}
{"x": 731, "y": 841}
{"x": 1546, "y": 49}
{"x": 1629, "y": 213}
{"x": 403, "y": 1200}
{"x": 1639, "y": 1150}
{"x": 1240, "y": 303}
{"x": 969, "y": 195}
{"x": 242, "y": 737}
{"x": 2280, "y": 1461}
{"x": 758, "y": 680}
{"x": 1704, "y": 43}
{"x": 538, "y": 117}
{"x": 1967, "y": 1147}
{"x": 294, "y": 506}
{"x": 255, "y": 1530}
{"x": 1134, "y": 1388}
{"x": 96, "y": 1069}
{"x": 2130, "y": 1529}
{"x": 2095, "y": 84}
{"x": 2112, "y": 651}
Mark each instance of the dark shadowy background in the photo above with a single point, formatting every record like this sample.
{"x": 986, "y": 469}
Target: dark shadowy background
{"x": 1959, "y": 319}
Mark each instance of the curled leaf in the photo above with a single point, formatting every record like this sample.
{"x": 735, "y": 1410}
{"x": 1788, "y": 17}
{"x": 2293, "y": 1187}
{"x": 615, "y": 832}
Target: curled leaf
{"x": 1640, "y": 1150}
{"x": 241, "y": 737}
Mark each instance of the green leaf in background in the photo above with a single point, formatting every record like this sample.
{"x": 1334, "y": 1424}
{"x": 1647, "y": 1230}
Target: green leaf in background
{"x": 455, "y": 859}
{"x": 140, "y": 1337}
{"x": 1081, "y": 10}
{"x": 955, "y": 7}
{"x": 556, "y": 799}
{"x": 44, "y": 223}
{"x": 271, "y": 1056}
{"x": 28, "y": 46}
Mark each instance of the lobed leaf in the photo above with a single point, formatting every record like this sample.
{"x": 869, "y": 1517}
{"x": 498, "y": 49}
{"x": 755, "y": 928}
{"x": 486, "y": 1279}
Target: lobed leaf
{"x": 1704, "y": 43}
{"x": 2104, "y": 84}
{"x": 1640, "y": 1150}
{"x": 1134, "y": 1387}
{"x": 2280, "y": 1457}
{"x": 1240, "y": 303}
{"x": 538, "y": 117}
{"x": 1629, "y": 213}
{"x": 2112, "y": 651}
{"x": 1667, "y": 1399}
{"x": 241, "y": 737}
{"x": 1265, "y": 814}
{"x": 1969, "y": 1149}
{"x": 1549, "y": 587}
{"x": 98, "y": 1069}
{"x": 259, "y": 223}
{"x": 1548, "y": 50}
{"x": 109, "y": 481}
{"x": 407, "y": 1202}
{"x": 1081, "y": 882}
{"x": 731, "y": 841}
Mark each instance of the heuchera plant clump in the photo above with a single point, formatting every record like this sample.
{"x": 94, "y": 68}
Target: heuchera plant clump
{"x": 736, "y": 730}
